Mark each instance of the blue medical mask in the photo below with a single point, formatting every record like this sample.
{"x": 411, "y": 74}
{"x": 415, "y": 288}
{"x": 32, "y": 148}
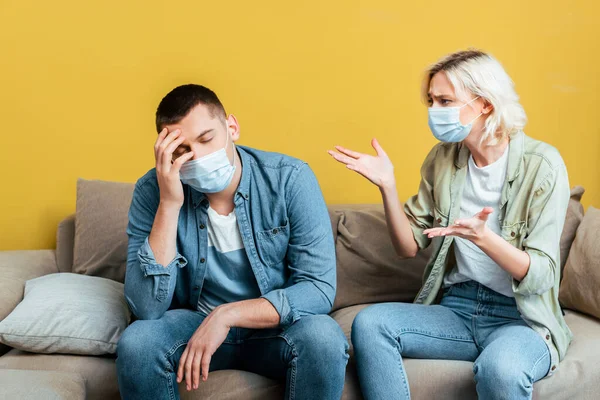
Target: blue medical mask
{"x": 445, "y": 124}
{"x": 211, "y": 173}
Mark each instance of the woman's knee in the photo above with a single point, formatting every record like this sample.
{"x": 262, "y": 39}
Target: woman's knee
{"x": 372, "y": 323}
{"x": 498, "y": 372}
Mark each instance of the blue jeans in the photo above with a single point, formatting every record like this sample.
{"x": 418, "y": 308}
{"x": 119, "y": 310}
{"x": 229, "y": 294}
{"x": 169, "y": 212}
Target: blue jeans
{"x": 472, "y": 323}
{"x": 310, "y": 355}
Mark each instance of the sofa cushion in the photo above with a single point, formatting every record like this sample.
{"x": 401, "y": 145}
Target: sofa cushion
{"x": 47, "y": 385}
{"x": 233, "y": 385}
{"x": 99, "y": 373}
{"x": 579, "y": 374}
{"x": 579, "y": 287}
{"x": 68, "y": 313}
{"x": 16, "y": 267}
{"x": 100, "y": 228}
{"x": 572, "y": 220}
{"x": 368, "y": 269}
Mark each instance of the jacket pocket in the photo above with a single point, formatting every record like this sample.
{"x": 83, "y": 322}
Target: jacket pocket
{"x": 514, "y": 233}
{"x": 440, "y": 220}
{"x": 272, "y": 244}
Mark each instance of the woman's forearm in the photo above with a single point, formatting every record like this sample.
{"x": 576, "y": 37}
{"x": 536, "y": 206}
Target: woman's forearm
{"x": 398, "y": 224}
{"x": 512, "y": 260}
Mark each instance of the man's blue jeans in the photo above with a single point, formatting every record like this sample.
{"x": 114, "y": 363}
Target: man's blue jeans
{"x": 472, "y": 323}
{"x": 310, "y": 355}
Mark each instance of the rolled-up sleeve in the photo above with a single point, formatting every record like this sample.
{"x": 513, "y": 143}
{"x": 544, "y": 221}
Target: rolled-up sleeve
{"x": 546, "y": 219}
{"x": 149, "y": 286}
{"x": 311, "y": 258}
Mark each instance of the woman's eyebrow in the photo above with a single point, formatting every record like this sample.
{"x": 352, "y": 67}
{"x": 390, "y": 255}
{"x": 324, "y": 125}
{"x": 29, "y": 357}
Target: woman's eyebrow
{"x": 437, "y": 96}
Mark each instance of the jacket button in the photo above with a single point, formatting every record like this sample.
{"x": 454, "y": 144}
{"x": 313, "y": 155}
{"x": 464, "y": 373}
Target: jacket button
{"x": 202, "y": 226}
{"x": 202, "y": 260}
{"x": 513, "y": 234}
{"x": 547, "y": 337}
{"x": 553, "y": 367}
{"x": 275, "y": 231}
{"x": 439, "y": 220}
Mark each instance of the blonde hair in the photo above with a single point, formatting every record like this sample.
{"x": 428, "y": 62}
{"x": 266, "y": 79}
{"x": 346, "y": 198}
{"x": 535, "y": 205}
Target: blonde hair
{"x": 482, "y": 75}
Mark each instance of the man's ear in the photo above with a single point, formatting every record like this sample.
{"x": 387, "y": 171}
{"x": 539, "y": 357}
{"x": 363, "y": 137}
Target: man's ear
{"x": 234, "y": 127}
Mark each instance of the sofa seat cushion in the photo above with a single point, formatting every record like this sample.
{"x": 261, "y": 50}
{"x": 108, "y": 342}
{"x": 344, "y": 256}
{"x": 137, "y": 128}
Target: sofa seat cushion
{"x": 577, "y": 378}
{"x": 579, "y": 373}
{"x": 99, "y": 373}
{"x": 233, "y": 385}
{"x": 47, "y": 385}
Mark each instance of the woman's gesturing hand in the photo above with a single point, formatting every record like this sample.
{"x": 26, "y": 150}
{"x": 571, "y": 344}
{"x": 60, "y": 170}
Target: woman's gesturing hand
{"x": 378, "y": 168}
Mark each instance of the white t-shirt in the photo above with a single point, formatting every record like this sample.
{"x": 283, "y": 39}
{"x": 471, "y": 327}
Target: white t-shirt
{"x": 483, "y": 188}
{"x": 229, "y": 277}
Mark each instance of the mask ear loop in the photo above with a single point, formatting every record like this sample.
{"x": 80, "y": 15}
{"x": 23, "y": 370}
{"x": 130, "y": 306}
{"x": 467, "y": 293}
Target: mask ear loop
{"x": 480, "y": 114}
{"x": 470, "y": 101}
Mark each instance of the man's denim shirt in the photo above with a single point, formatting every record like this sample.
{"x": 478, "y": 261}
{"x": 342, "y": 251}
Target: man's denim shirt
{"x": 285, "y": 228}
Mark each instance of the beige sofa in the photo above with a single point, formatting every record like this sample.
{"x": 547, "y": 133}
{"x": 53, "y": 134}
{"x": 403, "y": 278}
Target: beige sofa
{"x": 368, "y": 272}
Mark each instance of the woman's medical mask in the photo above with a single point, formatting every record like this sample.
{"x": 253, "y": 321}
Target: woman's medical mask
{"x": 211, "y": 173}
{"x": 445, "y": 124}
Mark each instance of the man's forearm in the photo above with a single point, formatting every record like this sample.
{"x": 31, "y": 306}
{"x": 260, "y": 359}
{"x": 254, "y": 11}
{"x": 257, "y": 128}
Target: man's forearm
{"x": 163, "y": 237}
{"x": 251, "y": 314}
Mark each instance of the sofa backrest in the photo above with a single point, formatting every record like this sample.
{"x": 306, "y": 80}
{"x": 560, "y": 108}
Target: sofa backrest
{"x": 368, "y": 270}
{"x": 65, "y": 238}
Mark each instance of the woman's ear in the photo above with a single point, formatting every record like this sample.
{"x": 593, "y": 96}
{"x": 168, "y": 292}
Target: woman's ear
{"x": 487, "y": 107}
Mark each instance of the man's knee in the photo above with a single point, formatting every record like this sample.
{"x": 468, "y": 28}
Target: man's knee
{"x": 139, "y": 345}
{"x": 319, "y": 337}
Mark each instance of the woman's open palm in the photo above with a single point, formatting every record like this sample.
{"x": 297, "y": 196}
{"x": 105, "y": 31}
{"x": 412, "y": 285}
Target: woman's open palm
{"x": 378, "y": 168}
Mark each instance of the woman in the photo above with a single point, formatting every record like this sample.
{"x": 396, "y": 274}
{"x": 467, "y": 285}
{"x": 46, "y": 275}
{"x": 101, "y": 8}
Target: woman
{"x": 492, "y": 202}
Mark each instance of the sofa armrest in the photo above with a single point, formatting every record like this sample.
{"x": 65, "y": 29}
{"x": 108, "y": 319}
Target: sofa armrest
{"x": 16, "y": 267}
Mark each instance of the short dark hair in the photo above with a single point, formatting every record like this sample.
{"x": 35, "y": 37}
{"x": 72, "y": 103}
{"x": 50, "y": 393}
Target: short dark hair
{"x": 180, "y": 101}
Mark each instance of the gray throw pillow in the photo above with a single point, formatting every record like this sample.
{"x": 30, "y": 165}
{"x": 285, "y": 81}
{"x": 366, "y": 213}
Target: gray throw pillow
{"x": 68, "y": 313}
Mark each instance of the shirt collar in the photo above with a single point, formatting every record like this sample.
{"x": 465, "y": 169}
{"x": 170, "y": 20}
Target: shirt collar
{"x": 516, "y": 149}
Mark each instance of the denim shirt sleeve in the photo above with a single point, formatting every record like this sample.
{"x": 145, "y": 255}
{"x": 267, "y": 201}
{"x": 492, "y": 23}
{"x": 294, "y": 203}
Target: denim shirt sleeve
{"x": 149, "y": 286}
{"x": 311, "y": 253}
{"x": 546, "y": 219}
{"x": 419, "y": 208}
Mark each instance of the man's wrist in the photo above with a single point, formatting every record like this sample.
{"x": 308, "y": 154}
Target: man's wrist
{"x": 168, "y": 208}
{"x": 227, "y": 314}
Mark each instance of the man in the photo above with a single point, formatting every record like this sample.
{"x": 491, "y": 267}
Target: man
{"x": 231, "y": 263}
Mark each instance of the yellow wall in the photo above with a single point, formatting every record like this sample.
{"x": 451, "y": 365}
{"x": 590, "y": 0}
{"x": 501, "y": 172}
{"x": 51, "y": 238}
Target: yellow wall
{"x": 80, "y": 82}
